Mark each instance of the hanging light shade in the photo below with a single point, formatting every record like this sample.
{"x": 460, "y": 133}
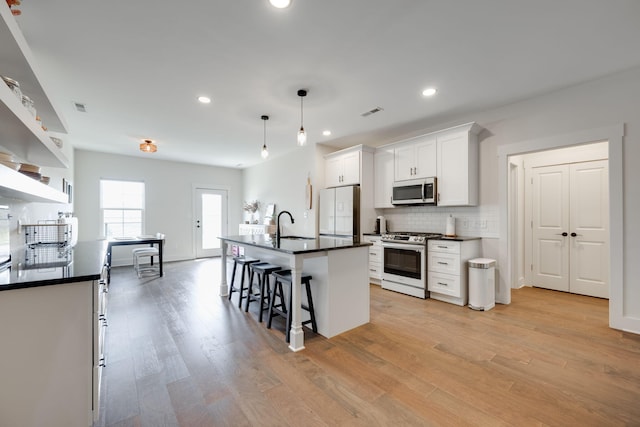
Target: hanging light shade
{"x": 265, "y": 152}
{"x": 148, "y": 146}
{"x": 280, "y": 4}
{"x": 302, "y": 135}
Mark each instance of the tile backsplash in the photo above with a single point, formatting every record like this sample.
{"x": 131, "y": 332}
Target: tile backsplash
{"x": 479, "y": 221}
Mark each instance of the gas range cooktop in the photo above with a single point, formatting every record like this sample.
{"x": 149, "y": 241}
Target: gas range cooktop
{"x": 408, "y": 237}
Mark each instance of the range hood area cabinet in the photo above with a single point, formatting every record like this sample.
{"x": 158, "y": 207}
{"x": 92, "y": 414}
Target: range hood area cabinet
{"x": 415, "y": 158}
{"x": 450, "y": 155}
{"x": 20, "y": 134}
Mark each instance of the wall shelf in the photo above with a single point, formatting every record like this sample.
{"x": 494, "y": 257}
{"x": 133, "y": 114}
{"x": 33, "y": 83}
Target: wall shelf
{"x": 19, "y": 132}
{"x": 14, "y": 185}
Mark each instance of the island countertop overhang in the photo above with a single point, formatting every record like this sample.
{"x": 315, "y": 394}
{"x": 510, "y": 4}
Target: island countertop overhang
{"x": 297, "y": 245}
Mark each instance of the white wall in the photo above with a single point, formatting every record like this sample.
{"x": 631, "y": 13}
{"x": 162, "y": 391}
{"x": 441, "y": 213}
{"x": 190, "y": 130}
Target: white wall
{"x": 169, "y": 197}
{"x": 282, "y": 181}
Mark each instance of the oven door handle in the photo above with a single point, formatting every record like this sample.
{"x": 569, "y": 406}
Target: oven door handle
{"x": 405, "y": 247}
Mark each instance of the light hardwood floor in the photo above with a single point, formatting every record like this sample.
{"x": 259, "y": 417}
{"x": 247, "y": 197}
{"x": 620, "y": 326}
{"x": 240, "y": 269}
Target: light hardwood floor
{"x": 179, "y": 354}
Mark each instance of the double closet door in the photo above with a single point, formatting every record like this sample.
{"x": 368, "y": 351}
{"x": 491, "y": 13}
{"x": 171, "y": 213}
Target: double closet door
{"x": 570, "y": 228}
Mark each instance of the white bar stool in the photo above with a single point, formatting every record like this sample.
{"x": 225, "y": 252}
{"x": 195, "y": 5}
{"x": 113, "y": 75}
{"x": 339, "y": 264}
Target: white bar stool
{"x": 150, "y": 252}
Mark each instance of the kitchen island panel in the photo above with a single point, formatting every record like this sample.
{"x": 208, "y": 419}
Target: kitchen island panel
{"x": 343, "y": 290}
{"x": 340, "y": 281}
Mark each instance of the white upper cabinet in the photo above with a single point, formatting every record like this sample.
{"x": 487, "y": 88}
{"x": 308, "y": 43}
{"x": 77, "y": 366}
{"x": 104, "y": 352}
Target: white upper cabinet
{"x": 458, "y": 166}
{"x": 383, "y": 177}
{"x": 415, "y": 158}
{"x": 20, "y": 134}
{"x": 342, "y": 169}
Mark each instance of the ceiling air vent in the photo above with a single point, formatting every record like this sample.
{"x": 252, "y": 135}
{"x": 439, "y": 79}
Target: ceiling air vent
{"x": 372, "y": 111}
{"x": 80, "y": 107}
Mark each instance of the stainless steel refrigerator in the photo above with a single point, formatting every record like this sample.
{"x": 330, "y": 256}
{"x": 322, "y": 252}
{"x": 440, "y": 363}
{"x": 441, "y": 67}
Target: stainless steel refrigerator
{"x": 339, "y": 210}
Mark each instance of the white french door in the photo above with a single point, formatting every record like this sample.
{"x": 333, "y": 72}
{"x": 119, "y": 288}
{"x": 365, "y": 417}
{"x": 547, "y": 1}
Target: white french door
{"x": 570, "y": 222}
{"x": 210, "y": 221}
{"x": 550, "y": 222}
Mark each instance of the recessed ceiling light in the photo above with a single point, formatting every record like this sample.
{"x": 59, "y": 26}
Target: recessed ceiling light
{"x": 204, "y": 99}
{"x": 429, "y": 91}
{"x": 326, "y": 132}
{"x": 280, "y": 4}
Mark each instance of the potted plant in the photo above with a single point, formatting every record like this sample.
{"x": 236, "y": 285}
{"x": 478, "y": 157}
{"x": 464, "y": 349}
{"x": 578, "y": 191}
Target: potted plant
{"x": 251, "y": 208}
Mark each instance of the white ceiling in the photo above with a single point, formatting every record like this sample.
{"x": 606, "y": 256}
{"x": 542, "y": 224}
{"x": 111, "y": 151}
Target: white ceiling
{"x": 139, "y": 66}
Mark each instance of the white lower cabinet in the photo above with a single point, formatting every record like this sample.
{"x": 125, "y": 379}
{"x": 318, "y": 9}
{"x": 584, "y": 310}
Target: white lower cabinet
{"x": 48, "y": 365}
{"x": 447, "y": 277}
{"x": 375, "y": 259}
{"x": 99, "y": 332}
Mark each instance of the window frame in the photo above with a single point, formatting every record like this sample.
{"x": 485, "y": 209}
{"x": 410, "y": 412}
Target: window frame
{"x": 142, "y": 210}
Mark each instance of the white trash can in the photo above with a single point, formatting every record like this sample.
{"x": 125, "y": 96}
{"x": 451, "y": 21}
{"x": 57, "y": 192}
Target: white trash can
{"x": 482, "y": 283}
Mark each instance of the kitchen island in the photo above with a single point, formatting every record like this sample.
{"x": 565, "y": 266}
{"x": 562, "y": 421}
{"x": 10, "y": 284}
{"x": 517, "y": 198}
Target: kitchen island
{"x": 340, "y": 283}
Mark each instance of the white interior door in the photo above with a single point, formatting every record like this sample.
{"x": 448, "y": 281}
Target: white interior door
{"x": 550, "y": 221}
{"x": 210, "y": 221}
{"x": 570, "y": 228}
{"x": 589, "y": 234}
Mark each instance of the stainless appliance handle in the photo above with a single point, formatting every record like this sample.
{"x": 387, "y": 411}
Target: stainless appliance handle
{"x": 403, "y": 246}
{"x": 424, "y": 189}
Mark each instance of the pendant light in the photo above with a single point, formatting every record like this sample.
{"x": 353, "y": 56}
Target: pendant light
{"x": 265, "y": 152}
{"x": 148, "y": 146}
{"x": 302, "y": 135}
{"x": 280, "y": 4}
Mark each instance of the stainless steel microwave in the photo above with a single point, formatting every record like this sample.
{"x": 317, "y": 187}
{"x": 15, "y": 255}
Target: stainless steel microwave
{"x": 415, "y": 192}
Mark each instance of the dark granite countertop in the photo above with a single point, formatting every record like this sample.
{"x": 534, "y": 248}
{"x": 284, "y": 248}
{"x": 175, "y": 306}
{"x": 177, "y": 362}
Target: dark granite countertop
{"x": 50, "y": 265}
{"x": 296, "y": 245}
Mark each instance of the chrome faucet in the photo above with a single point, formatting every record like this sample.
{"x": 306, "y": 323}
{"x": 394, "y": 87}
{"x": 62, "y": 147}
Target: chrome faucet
{"x": 278, "y": 224}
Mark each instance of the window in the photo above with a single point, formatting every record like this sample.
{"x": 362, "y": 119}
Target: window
{"x": 122, "y": 208}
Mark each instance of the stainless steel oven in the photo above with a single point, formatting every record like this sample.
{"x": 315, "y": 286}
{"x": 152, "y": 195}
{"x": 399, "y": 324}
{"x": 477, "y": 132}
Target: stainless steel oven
{"x": 404, "y": 268}
{"x": 404, "y": 261}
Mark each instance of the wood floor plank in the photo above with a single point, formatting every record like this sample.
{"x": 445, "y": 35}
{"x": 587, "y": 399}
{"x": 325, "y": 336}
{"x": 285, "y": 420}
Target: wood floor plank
{"x": 155, "y": 403}
{"x": 188, "y": 404}
{"x": 299, "y": 373}
{"x": 180, "y": 355}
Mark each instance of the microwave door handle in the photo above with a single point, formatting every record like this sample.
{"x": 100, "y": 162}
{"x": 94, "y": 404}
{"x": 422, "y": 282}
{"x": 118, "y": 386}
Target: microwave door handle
{"x": 424, "y": 189}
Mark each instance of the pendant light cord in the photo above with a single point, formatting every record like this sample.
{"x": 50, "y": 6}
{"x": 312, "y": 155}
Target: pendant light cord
{"x": 301, "y": 112}
{"x": 265, "y": 151}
